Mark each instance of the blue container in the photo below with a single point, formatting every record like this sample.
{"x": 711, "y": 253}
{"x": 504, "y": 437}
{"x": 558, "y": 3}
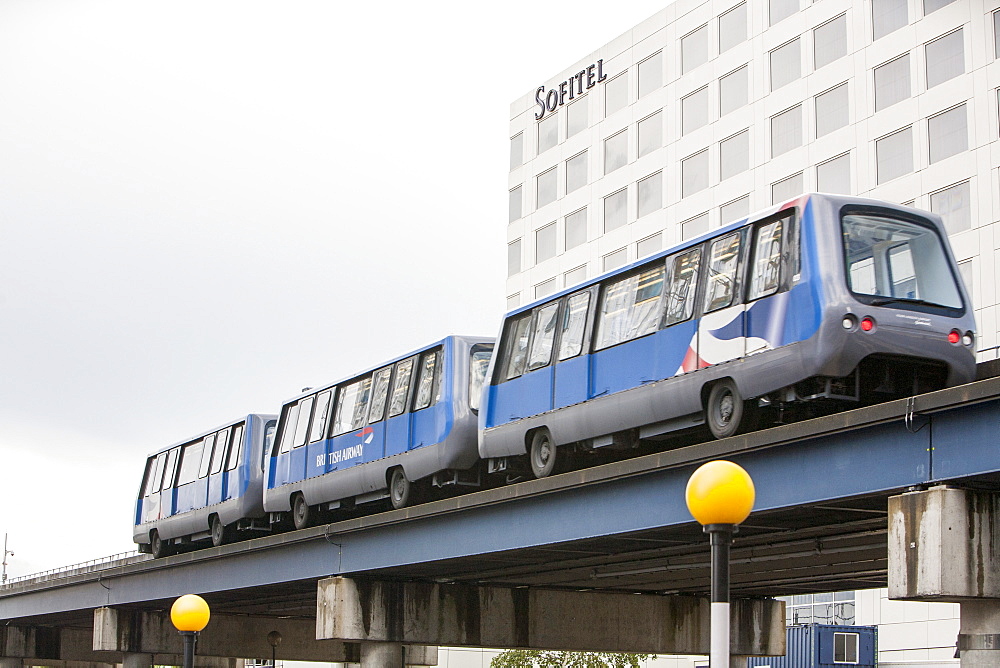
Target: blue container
{"x": 824, "y": 646}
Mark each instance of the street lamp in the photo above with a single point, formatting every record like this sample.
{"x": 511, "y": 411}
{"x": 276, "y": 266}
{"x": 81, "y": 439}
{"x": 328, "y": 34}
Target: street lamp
{"x": 720, "y": 495}
{"x": 273, "y": 639}
{"x": 6, "y": 553}
{"x": 190, "y": 614}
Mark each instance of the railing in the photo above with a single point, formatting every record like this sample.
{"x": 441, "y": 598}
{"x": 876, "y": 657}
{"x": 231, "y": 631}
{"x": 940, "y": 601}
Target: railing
{"x": 111, "y": 561}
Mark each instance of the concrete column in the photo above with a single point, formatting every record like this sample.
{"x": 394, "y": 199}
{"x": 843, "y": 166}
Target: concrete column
{"x": 11, "y": 663}
{"x": 979, "y": 634}
{"x": 381, "y": 655}
{"x": 134, "y": 660}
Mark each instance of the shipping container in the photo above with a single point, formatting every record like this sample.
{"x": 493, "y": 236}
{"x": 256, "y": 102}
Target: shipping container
{"x": 824, "y": 646}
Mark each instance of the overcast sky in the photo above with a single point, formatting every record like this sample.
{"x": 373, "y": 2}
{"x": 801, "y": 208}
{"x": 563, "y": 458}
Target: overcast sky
{"x": 207, "y": 206}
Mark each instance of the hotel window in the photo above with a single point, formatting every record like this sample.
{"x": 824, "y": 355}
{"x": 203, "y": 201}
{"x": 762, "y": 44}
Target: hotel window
{"x": 734, "y": 91}
{"x": 548, "y": 133}
{"x": 786, "y": 131}
{"x": 826, "y": 608}
{"x": 694, "y": 49}
{"x": 894, "y": 155}
{"x": 733, "y": 27}
{"x": 650, "y": 194}
{"x": 615, "y": 94}
{"x": 965, "y": 271}
{"x": 650, "y": 133}
{"x": 615, "y": 210}
{"x": 945, "y": 58}
{"x": 830, "y": 41}
{"x": 517, "y": 150}
{"x": 693, "y": 227}
{"x": 734, "y": 155}
{"x": 832, "y": 110}
{"x": 648, "y": 246}
{"x": 735, "y": 210}
{"x": 834, "y": 176}
{"x": 694, "y": 173}
{"x": 947, "y": 133}
{"x": 786, "y": 64}
{"x": 514, "y": 204}
{"x": 954, "y": 205}
{"x": 545, "y": 243}
{"x": 779, "y": 10}
{"x": 576, "y": 117}
{"x": 694, "y": 110}
{"x": 545, "y": 288}
{"x": 576, "y": 172}
{"x": 786, "y": 188}
{"x": 574, "y": 276}
{"x": 615, "y": 259}
{"x": 934, "y": 5}
{"x": 996, "y": 34}
{"x": 576, "y": 228}
{"x": 892, "y": 82}
{"x": 513, "y": 257}
{"x": 651, "y": 74}
{"x": 615, "y": 151}
{"x": 513, "y": 301}
{"x": 546, "y": 187}
{"x": 888, "y": 16}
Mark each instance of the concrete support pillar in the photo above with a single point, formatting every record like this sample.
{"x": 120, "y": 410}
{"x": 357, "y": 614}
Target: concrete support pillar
{"x": 135, "y": 660}
{"x": 382, "y": 655}
{"x": 979, "y": 634}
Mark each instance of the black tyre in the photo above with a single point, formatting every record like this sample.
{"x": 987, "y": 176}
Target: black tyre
{"x": 542, "y": 454}
{"x": 157, "y": 546}
{"x": 220, "y": 532}
{"x": 726, "y": 413}
{"x": 400, "y": 489}
{"x": 301, "y": 512}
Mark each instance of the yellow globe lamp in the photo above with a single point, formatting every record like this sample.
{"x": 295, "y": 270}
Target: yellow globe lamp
{"x": 190, "y": 613}
{"x": 720, "y": 492}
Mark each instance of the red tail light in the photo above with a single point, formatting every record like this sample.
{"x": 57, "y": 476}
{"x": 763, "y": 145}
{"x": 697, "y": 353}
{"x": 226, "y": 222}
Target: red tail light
{"x": 954, "y": 336}
{"x": 867, "y": 324}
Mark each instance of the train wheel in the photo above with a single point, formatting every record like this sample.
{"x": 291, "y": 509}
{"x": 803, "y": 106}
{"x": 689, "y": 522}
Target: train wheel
{"x": 301, "y": 512}
{"x": 157, "y": 547}
{"x": 543, "y": 454}
{"x": 727, "y": 414}
{"x": 219, "y": 534}
{"x": 400, "y": 489}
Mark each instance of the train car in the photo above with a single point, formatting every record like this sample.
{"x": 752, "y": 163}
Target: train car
{"x": 823, "y": 301}
{"x": 391, "y": 431}
{"x": 204, "y": 488}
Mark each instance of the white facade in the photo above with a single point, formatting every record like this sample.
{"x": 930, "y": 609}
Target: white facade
{"x": 754, "y": 102}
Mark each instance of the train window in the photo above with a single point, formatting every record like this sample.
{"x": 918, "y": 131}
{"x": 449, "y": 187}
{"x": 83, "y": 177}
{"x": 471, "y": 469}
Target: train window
{"x": 269, "y": 429}
{"x": 219, "y": 456}
{"x": 517, "y": 346}
{"x": 153, "y": 479}
{"x": 766, "y": 265}
{"x": 574, "y": 323}
{"x": 291, "y": 420}
{"x": 170, "y": 470}
{"x": 206, "y": 456}
{"x": 401, "y": 387}
{"x": 631, "y": 307}
{"x": 724, "y": 258}
{"x": 902, "y": 275}
{"x": 190, "y": 462}
{"x": 321, "y": 416}
{"x": 352, "y": 405}
{"x": 684, "y": 271}
{"x": 302, "y": 429}
{"x": 543, "y": 337}
{"x": 236, "y": 451}
{"x": 379, "y": 394}
{"x": 478, "y": 366}
{"x": 426, "y": 385}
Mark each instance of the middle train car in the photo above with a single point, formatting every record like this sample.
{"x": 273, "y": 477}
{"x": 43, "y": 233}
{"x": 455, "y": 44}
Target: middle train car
{"x": 391, "y": 431}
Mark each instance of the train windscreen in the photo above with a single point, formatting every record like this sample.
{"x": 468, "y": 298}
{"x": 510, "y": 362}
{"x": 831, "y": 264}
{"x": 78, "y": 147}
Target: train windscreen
{"x": 477, "y": 373}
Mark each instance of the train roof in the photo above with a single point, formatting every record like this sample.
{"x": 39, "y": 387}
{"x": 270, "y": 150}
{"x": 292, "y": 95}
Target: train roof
{"x": 262, "y": 416}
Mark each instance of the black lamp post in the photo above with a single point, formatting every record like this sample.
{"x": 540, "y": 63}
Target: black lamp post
{"x": 273, "y": 639}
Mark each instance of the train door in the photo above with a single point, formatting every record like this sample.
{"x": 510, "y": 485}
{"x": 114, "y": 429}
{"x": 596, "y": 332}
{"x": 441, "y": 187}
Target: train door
{"x": 722, "y": 328}
{"x": 234, "y": 472}
{"x": 397, "y": 423}
{"x": 216, "y": 487}
{"x": 376, "y": 447}
{"x": 425, "y": 423}
{"x": 151, "y": 494}
{"x": 316, "y": 449}
{"x": 281, "y": 461}
{"x": 571, "y": 371}
{"x": 766, "y": 308}
{"x": 168, "y": 495}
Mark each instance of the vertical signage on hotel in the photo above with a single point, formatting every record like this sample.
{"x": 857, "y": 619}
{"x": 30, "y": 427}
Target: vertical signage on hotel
{"x": 567, "y": 90}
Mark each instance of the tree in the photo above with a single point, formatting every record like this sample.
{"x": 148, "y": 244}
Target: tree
{"x": 536, "y": 658}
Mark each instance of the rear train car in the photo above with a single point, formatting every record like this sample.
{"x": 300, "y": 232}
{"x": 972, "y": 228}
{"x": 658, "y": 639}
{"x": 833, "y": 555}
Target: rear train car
{"x": 394, "y": 431}
{"x": 205, "y": 488}
{"x": 820, "y": 303}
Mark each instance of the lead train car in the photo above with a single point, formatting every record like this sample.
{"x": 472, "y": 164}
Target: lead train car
{"x": 379, "y": 433}
{"x": 204, "y": 488}
{"x": 824, "y": 300}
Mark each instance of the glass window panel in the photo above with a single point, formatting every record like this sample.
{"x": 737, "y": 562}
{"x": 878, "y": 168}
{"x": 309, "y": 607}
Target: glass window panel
{"x": 401, "y": 386}
{"x": 426, "y": 395}
{"x": 954, "y": 205}
{"x": 170, "y": 468}
{"x": 650, "y": 133}
{"x": 352, "y": 406}
{"x": 545, "y": 288}
{"x": 934, "y": 5}
{"x": 543, "y": 336}
{"x": 823, "y": 598}
{"x": 650, "y": 74}
{"x": 734, "y": 91}
{"x": 694, "y": 227}
{"x": 577, "y": 117}
{"x": 786, "y": 131}
{"x": 576, "y": 172}
{"x": 546, "y": 187}
{"x": 965, "y": 271}
{"x": 734, "y": 155}
{"x": 778, "y": 10}
{"x": 683, "y": 281}
{"x": 235, "y": 452}
{"x": 888, "y": 16}
{"x": 894, "y": 155}
{"x": 694, "y": 49}
{"x": 694, "y": 173}
{"x": 514, "y": 257}
{"x": 834, "y": 176}
{"x": 190, "y": 463}
{"x": 615, "y": 94}
{"x": 153, "y": 474}
{"x": 649, "y": 245}
{"x": 945, "y": 58}
{"x": 996, "y": 34}
{"x": 724, "y": 259}
{"x": 576, "y": 228}
{"x": 786, "y": 64}
{"x": 631, "y": 307}
{"x": 830, "y": 41}
{"x": 694, "y": 110}
{"x": 892, "y": 82}
{"x": 786, "y": 189}
{"x": 291, "y": 420}
{"x": 766, "y": 264}
{"x": 832, "y": 110}
{"x": 548, "y": 132}
{"x": 733, "y": 27}
{"x": 517, "y": 343}
{"x": 478, "y": 366}
{"x": 321, "y": 418}
{"x": 380, "y": 395}
{"x": 545, "y": 242}
{"x": 615, "y": 259}
{"x": 514, "y": 204}
{"x": 221, "y": 449}
{"x": 517, "y": 150}
{"x": 574, "y": 325}
{"x": 615, "y": 152}
{"x": 948, "y": 134}
{"x": 735, "y": 210}
{"x": 615, "y": 210}
{"x": 650, "y": 194}
{"x": 574, "y": 276}
{"x": 206, "y": 455}
{"x": 301, "y": 431}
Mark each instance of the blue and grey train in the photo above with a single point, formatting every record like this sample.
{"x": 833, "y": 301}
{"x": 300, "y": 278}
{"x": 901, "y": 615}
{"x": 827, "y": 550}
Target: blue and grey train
{"x": 820, "y": 301}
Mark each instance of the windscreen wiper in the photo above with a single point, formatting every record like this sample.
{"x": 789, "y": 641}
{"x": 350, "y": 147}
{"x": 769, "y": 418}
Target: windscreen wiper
{"x": 905, "y": 300}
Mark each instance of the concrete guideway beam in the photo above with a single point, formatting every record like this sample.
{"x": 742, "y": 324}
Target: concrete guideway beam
{"x": 498, "y": 617}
